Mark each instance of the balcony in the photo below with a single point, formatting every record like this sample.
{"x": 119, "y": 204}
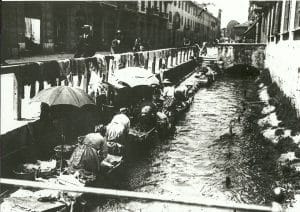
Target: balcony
{"x": 155, "y": 11}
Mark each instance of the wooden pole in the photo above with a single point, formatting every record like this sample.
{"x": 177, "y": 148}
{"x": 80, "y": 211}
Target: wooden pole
{"x": 138, "y": 195}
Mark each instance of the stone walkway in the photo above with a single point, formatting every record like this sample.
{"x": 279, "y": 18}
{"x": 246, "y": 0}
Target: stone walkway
{"x": 45, "y": 57}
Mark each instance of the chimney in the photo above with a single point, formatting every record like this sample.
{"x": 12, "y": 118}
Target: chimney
{"x": 220, "y": 14}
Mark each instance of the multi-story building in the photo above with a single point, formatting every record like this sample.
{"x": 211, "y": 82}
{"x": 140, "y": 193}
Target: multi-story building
{"x": 55, "y": 26}
{"x": 190, "y": 20}
{"x": 276, "y": 20}
{"x": 153, "y": 19}
{"x": 277, "y": 23}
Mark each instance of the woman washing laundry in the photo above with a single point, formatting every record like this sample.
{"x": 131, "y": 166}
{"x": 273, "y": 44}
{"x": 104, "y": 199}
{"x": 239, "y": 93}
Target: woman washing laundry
{"x": 117, "y": 130}
{"x": 90, "y": 153}
{"x": 122, "y": 118}
{"x": 168, "y": 95}
{"x": 147, "y": 117}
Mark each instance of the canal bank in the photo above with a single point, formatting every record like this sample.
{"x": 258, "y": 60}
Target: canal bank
{"x": 280, "y": 125}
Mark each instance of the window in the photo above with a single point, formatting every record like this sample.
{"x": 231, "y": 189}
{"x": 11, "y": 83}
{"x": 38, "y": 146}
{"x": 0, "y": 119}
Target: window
{"x": 273, "y": 16}
{"x": 160, "y": 6}
{"x": 185, "y": 6}
{"x": 287, "y": 13}
{"x": 269, "y": 23}
{"x": 175, "y": 3}
{"x": 170, "y": 16}
{"x": 297, "y": 15}
{"x": 179, "y": 4}
{"x": 165, "y": 6}
{"x": 277, "y": 18}
{"x": 149, "y": 4}
{"x": 155, "y": 5}
{"x": 143, "y": 5}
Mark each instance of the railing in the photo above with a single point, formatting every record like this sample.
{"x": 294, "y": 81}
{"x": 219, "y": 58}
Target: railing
{"x": 155, "y": 61}
{"x": 192, "y": 201}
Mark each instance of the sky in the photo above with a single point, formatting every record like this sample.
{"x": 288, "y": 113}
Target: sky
{"x": 231, "y": 10}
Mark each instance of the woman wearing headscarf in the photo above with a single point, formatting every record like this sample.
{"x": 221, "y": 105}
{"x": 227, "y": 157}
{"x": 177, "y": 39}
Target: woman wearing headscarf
{"x": 90, "y": 153}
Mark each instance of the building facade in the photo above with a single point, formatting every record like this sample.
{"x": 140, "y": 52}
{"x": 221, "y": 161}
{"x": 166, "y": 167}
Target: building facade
{"x": 190, "y": 20}
{"x": 277, "y": 24}
{"x": 50, "y": 27}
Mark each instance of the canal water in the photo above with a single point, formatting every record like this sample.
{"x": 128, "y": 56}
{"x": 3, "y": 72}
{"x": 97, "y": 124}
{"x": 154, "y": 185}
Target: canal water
{"x": 202, "y": 153}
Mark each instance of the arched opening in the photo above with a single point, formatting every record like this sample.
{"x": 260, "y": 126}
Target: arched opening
{"x": 242, "y": 70}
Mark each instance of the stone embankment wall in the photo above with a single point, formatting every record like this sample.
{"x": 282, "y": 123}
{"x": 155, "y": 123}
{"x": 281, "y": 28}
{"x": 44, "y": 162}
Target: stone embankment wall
{"x": 283, "y": 62}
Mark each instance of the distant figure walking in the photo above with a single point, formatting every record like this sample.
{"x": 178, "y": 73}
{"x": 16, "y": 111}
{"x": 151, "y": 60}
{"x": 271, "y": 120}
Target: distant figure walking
{"x": 186, "y": 42}
{"x": 86, "y": 46}
{"x": 117, "y": 45}
{"x": 204, "y": 49}
{"x": 196, "y": 50}
{"x": 137, "y": 45}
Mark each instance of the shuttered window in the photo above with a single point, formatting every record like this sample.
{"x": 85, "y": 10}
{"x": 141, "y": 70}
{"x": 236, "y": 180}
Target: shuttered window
{"x": 273, "y": 16}
{"x": 160, "y": 6}
{"x": 277, "y": 18}
{"x": 287, "y": 14}
{"x": 297, "y": 15}
{"x": 143, "y": 5}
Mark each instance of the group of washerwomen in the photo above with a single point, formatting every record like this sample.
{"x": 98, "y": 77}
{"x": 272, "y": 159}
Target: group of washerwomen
{"x": 155, "y": 111}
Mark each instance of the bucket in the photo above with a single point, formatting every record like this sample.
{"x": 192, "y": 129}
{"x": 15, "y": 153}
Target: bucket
{"x": 25, "y": 172}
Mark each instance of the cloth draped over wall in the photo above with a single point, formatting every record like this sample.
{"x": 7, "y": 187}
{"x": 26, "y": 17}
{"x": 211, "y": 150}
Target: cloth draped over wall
{"x": 85, "y": 73}
{"x": 89, "y": 73}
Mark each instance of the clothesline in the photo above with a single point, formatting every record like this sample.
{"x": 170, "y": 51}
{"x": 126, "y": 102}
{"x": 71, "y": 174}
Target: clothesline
{"x": 82, "y": 72}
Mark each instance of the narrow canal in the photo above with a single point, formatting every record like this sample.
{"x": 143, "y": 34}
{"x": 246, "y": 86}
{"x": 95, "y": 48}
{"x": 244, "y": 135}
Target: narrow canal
{"x": 200, "y": 156}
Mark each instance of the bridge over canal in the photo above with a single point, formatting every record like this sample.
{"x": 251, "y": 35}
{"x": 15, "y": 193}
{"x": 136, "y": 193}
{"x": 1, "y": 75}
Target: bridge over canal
{"x": 241, "y": 54}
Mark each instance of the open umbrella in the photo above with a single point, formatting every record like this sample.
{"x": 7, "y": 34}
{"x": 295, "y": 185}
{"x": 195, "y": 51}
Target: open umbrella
{"x": 135, "y": 76}
{"x": 63, "y": 95}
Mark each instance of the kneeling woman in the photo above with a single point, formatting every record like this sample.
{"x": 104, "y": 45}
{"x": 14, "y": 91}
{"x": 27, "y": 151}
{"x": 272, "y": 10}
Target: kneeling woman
{"x": 90, "y": 153}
